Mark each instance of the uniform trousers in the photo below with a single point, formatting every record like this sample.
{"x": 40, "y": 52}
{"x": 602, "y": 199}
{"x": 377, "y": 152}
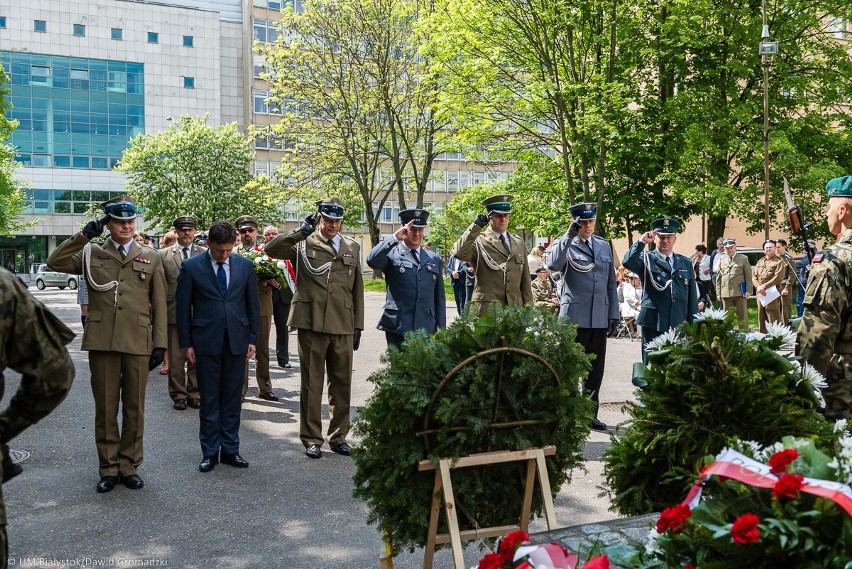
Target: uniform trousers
{"x": 219, "y": 386}
{"x": 183, "y": 383}
{"x": 593, "y": 341}
{"x": 769, "y": 313}
{"x": 740, "y": 304}
{"x": 261, "y": 359}
{"x": 787, "y": 307}
{"x": 117, "y": 376}
{"x": 333, "y": 352}
{"x": 460, "y": 292}
{"x": 280, "y": 314}
{"x": 394, "y": 339}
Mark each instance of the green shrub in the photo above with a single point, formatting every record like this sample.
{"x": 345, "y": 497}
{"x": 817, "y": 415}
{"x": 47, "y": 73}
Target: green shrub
{"x": 494, "y": 389}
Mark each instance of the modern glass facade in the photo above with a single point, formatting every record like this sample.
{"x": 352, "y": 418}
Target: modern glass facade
{"x": 73, "y": 112}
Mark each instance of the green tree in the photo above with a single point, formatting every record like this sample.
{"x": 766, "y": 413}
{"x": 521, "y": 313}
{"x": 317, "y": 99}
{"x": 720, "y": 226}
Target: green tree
{"x": 12, "y": 198}
{"x": 195, "y": 169}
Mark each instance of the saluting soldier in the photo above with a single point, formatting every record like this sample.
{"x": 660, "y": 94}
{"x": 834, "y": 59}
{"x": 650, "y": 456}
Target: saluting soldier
{"x": 669, "y": 290}
{"x": 734, "y": 281}
{"x": 328, "y": 312}
{"x": 499, "y": 259}
{"x": 542, "y": 289}
{"x": 825, "y": 333}
{"x": 126, "y": 332}
{"x": 183, "y": 383}
{"x": 769, "y": 272}
{"x": 589, "y": 295}
{"x": 247, "y": 228}
{"x": 415, "y": 298}
{"x": 32, "y": 342}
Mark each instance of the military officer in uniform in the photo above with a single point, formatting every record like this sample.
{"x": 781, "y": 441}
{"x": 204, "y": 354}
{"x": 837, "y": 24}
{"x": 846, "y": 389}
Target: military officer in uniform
{"x": 734, "y": 281}
{"x": 247, "y": 227}
{"x": 126, "y": 332}
{"x": 183, "y": 383}
{"x": 32, "y": 342}
{"x": 542, "y": 290}
{"x": 669, "y": 290}
{"x": 589, "y": 295}
{"x": 499, "y": 259}
{"x": 825, "y": 333}
{"x": 415, "y": 298}
{"x": 328, "y": 312}
{"x": 769, "y": 272}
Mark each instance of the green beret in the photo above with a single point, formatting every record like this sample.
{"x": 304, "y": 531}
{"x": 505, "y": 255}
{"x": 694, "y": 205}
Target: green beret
{"x": 839, "y": 187}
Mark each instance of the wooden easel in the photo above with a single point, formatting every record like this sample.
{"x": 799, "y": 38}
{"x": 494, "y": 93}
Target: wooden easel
{"x": 444, "y": 488}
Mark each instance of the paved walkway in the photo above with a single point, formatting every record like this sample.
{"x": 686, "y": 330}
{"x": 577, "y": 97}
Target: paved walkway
{"x": 284, "y": 511}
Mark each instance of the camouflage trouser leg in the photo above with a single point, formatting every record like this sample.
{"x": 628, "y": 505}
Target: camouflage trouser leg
{"x": 838, "y": 398}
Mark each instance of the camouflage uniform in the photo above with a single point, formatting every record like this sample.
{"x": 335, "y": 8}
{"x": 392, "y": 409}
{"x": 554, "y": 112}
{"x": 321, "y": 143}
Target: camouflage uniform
{"x": 542, "y": 292}
{"x": 32, "y": 342}
{"x": 825, "y": 333}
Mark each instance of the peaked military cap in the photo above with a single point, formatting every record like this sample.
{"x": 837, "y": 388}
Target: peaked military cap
{"x": 184, "y": 222}
{"x": 200, "y": 239}
{"x": 585, "y": 211}
{"x": 499, "y": 204}
{"x": 418, "y": 216}
{"x": 122, "y": 207}
{"x": 332, "y": 208}
{"x": 245, "y": 221}
{"x": 667, "y": 225}
{"x": 839, "y": 187}
{"x": 729, "y": 242}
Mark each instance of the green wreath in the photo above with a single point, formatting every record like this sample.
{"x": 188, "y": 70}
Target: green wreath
{"x": 400, "y": 425}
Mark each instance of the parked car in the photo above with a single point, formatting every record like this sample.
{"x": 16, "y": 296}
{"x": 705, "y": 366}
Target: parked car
{"x": 46, "y": 277}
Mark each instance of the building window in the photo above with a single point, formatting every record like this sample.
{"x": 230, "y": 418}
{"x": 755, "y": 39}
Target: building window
{"x": 79, "y": 30}
{"x": 188, "y": 41}
{"x": 116, "y": 33}
{"x": 3, "y": 22}
{"x": 79, "y": 79}
{"x": 837, "y": 28}
{"x": 189, "y": 82}
{"x": 265, "y": 31}
{"x": 153, "y": 37}
{"x": 40, "y": 75}
{"x": 39, "y": 26}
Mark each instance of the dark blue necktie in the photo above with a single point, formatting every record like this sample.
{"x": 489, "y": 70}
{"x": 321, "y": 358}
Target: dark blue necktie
{"x": 222, "y": 278}
{"x": 414, "y": 254}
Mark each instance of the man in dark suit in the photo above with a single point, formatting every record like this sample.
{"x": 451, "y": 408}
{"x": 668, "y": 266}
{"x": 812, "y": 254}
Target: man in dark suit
{"x": 457, "y": 271}
{"x": 415, "y": 284}
{"x": 589, "y": 297}
{"x": 218, "y": 316}
{"x": 183, "y": 383}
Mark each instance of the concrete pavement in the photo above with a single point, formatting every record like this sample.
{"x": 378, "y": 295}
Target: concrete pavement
{"x": 286, "y": 510}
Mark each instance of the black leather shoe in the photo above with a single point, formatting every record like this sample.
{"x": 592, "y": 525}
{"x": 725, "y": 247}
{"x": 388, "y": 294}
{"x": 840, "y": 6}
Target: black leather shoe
{"x": 107, "y": 484}
{"x": 313, "y": 451}
{"x": 234, "y": 460}
{"x": 133, "y": 481}
{"x": 180, "y": 404}
{"x": 598, "y": 425}
{"x": 285, "y": 365}
{"x": 208, "y": 464}
{"x": 269, "y": 396}
{"x": 194, "y": 403}
{"x": 342, "y": 448}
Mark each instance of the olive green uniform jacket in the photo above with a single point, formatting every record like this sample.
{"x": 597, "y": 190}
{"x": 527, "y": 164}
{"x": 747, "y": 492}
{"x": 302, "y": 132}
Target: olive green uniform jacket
{"x": 733, "y": 271}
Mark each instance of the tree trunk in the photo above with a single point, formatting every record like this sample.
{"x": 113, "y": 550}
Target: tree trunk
{"x": 715, "y": 230}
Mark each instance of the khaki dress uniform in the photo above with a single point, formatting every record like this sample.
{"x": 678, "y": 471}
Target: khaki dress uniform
{"x": 327, "y": 308}
{"x": 732, "y": 272}
{"x": 261, "y": 355}
{"x": 769, "y": 272}
{"x": 183, "y": 384}
{"x": 501, "y": 276}
{"x": 125, "y": 324}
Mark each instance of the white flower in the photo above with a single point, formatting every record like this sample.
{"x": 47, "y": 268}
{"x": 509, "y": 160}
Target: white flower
{"x": 711, "y": 314}
{"x": 842, "y": 463}
{"x": 663, "y": 340}
{"x": 265, "y": 257}
{"x": 281, "y": 265}
{"x": 812, "y": 376}
{"x": 782, "y": 331}
{"x": 749, "y": 448}
{"x": 652, "y": 547}
{"x": 754, "y": 336}
{"x": 257, "y": 260}
{"x": 840, "y": 426}
{"x": 764, "y": 455}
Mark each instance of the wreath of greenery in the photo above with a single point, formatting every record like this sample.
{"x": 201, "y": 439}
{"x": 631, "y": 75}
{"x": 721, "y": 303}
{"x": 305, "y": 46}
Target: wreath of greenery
{"x": 481, "y": 393}
{"x": 708, "y": 384}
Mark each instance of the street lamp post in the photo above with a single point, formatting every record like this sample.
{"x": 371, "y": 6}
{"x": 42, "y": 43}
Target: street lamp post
{"x": 768, "y": 49}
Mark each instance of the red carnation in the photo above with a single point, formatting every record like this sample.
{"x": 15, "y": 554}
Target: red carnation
{"x": 596, "y": 562}
{"x": 673, "y": 519}
{"x": 787, "y": 486}
{"x": 688, "y": 567}
{"x": 492, "y": 561}
{"x": 745, "y": 529}
{"x": 779, "y": 461}
{"x": 511, "y": 541}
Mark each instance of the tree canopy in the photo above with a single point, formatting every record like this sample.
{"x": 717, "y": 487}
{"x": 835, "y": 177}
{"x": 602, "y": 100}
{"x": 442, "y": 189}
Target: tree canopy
{"x": 11, "y": 196}
{"x": 195, "y": 169}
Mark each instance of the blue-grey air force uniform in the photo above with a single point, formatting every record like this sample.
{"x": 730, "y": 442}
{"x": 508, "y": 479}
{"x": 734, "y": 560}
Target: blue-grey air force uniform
{"x": 667, "y": 308}
{"x": 588, "y": 299}
{"x": 415, "y": 297}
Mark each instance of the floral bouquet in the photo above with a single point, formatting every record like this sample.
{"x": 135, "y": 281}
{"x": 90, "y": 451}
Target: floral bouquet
{"x": 786, "y": 505}
{"x": 515, "y": 552}
{"x": 266, "y": 268}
